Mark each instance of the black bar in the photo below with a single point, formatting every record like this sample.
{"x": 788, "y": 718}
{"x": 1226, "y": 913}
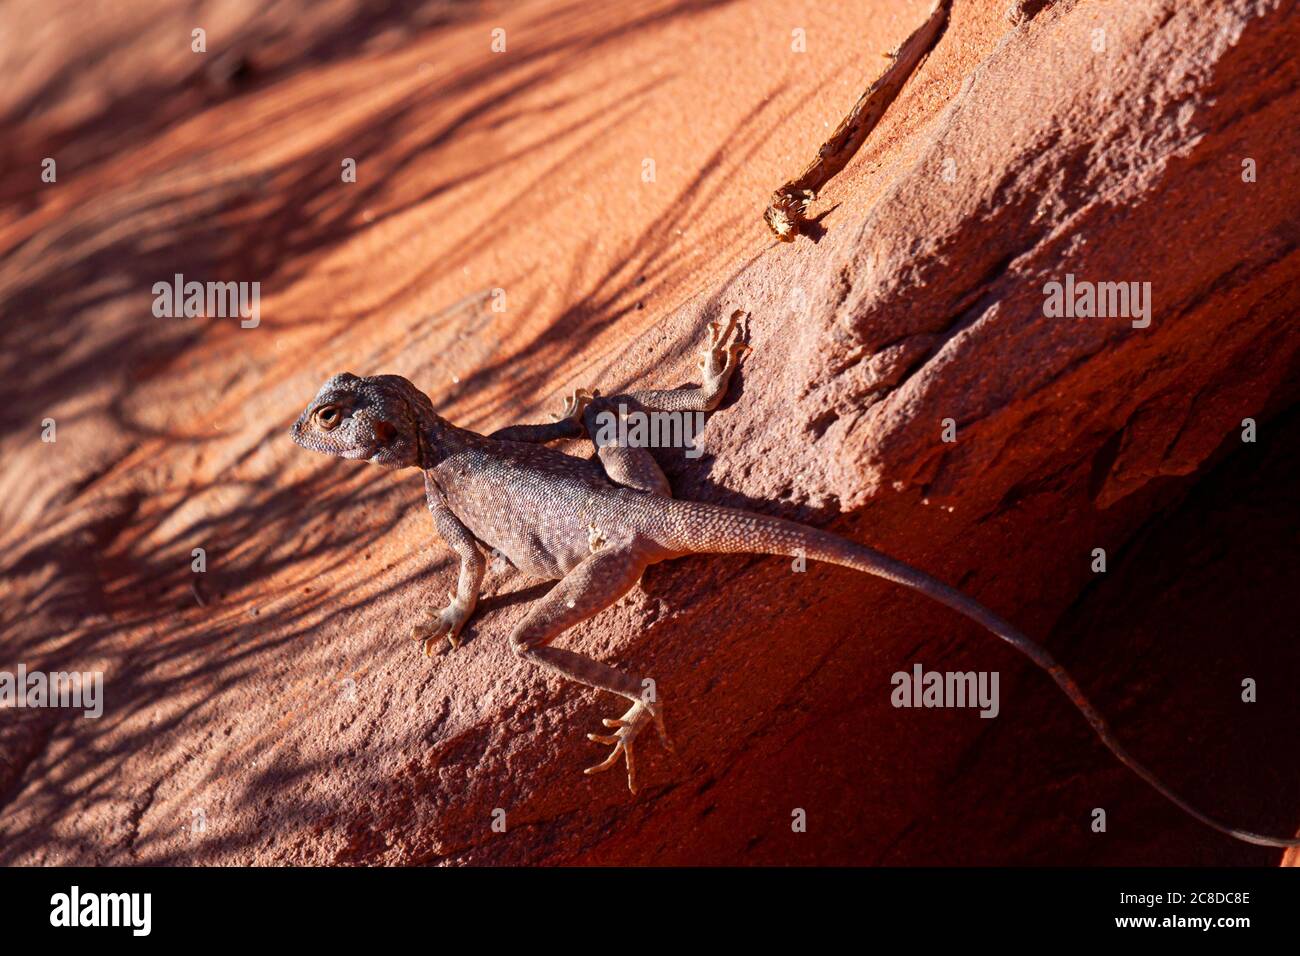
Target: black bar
{"x": 490, "y": 907}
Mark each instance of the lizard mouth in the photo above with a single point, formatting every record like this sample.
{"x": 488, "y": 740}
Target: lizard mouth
{"x": 377, "y": 454}
{"x": 305, "y": 439}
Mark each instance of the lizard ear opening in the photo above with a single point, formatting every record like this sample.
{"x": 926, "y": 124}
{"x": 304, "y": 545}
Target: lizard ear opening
{"x": 384, "y": 432}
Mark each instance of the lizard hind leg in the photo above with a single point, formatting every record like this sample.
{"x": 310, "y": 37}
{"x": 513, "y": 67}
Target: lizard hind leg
{"x": 627, "y": 465}
{"x": 635, "y": 467}
{"x": 595, "y": 584}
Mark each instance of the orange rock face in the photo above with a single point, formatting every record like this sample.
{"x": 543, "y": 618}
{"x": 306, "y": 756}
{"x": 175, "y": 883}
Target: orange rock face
{"x": 503, "y": 202}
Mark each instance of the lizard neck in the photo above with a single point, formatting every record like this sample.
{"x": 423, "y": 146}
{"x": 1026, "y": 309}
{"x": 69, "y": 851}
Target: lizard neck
{"x": 437, "y": 439}
{"x": 417, "y": 435}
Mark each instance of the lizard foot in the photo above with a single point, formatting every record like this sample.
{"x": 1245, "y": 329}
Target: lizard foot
{"x": 575, "y": 405}
{"x": 438, "y": 624}
{"x": 727, "y": 343}
{"x": 625, "y": 730}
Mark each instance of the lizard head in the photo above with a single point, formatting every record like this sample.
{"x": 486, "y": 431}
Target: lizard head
{"x": 375, "y": 419}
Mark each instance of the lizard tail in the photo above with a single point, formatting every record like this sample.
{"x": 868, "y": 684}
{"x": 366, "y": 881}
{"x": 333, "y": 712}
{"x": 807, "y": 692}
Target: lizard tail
{"x": 732, "y": 531}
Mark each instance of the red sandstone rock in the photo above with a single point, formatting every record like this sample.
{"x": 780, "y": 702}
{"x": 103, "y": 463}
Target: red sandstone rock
{"x": 275, "y": 697}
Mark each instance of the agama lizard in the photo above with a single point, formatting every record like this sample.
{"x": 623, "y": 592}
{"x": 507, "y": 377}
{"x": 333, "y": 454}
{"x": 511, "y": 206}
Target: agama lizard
{"x": 597, "y": 524}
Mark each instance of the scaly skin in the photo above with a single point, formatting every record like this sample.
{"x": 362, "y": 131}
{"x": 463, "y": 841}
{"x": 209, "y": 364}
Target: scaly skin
{"x": 595, "y": 525}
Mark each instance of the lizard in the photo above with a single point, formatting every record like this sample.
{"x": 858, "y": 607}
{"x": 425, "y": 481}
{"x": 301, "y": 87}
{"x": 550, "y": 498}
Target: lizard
{"x": 595, "y": 524}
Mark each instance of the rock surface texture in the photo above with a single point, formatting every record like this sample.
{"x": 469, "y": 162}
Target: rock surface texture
{"x": 608, "y": 171}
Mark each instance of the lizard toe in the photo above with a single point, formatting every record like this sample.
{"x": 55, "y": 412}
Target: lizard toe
{"x": 626, "y": 729}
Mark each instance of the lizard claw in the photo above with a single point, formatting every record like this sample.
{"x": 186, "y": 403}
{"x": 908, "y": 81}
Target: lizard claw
{"x": 625, "y": 730}
{"x": 575, "y": 404}
{"x": 728, "y": 341}
{"x": 438, "y": 624}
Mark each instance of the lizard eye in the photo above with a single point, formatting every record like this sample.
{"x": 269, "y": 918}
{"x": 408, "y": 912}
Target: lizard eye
{"x": 328, "y": 417}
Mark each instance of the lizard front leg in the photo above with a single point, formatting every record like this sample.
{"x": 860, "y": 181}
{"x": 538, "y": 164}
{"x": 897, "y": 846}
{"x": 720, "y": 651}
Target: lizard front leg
{"x": 588, "y": 589}
{"x": 448, "y": 621}
{"x": 567, "y": 424}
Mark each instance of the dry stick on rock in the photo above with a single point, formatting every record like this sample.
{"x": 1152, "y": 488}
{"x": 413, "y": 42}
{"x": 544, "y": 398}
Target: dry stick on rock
{"x": 789, "y": 210}
{"x": 1022, "y": 11}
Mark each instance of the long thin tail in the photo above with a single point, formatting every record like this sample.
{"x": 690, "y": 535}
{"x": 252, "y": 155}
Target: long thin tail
{"x": 711, "y": 529}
